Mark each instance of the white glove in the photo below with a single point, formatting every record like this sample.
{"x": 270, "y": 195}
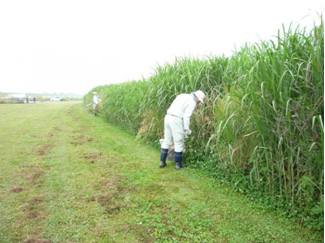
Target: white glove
{"x": 188, "y": 132}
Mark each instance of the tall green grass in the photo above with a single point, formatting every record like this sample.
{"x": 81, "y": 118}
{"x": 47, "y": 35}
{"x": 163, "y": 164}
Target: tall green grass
{"x": 261, "y": 128}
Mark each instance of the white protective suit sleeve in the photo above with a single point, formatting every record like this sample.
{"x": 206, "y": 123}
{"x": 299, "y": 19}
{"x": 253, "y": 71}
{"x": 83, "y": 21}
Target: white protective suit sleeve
{"x": 187, "y": 115}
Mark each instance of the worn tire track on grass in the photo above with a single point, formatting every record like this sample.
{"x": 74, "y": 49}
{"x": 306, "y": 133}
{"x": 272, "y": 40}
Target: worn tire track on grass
{"x": 81, "y": 179}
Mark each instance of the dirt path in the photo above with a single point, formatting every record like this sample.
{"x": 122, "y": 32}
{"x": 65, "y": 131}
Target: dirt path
{"x": 67, "y": 176}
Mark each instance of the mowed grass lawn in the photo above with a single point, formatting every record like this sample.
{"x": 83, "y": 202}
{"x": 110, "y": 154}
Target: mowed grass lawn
{"x": 67, "y": 176}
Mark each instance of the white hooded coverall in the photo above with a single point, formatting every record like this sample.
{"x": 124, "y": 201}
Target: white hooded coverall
{"x": 177, "y": 121}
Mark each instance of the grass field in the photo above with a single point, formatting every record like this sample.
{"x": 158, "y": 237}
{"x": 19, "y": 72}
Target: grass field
{"x": 67, "y": 176}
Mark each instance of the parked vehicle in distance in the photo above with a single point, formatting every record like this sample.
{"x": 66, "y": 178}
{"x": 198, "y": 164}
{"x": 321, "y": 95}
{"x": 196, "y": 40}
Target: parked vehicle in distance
{"x": 56, "y": 99}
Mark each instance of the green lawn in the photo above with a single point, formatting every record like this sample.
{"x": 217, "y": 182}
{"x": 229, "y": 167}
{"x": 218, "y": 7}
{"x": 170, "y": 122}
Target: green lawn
{"x": 67, "y": 176}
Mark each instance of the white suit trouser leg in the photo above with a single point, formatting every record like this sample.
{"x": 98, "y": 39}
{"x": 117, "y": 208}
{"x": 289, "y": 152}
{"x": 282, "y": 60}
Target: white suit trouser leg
{"x": 173, "y": 132}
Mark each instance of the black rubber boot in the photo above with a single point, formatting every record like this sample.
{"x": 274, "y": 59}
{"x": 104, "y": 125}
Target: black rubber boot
{"x": 179, "y": 166}
{"x": 162, "y": 164}
{"x": 178, "y": 160}
{"x": 163, "y": 156}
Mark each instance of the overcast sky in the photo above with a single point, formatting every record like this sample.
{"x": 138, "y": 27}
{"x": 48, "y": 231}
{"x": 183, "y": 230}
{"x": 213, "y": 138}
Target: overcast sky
{"x": 72, "y": 46}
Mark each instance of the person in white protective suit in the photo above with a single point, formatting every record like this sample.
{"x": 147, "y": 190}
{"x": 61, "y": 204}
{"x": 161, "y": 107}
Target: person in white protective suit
{"x": 177, "y": 125}
{"x": 95, "y": 102}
